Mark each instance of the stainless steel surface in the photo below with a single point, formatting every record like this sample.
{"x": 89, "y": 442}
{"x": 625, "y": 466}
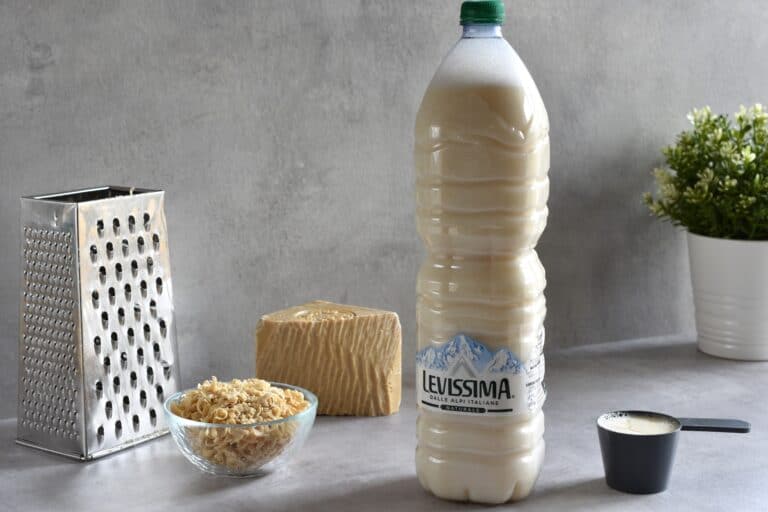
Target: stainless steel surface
{"x": 97, "y": 338}
{"x": 50, "y": 401}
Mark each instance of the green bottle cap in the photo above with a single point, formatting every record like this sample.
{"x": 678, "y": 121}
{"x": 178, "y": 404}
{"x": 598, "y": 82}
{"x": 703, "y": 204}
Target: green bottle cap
{"x": 482, "y": 11}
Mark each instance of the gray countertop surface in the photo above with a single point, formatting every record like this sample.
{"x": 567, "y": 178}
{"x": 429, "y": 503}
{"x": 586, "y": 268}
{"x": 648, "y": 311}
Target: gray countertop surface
{"x": 355, "y": 464}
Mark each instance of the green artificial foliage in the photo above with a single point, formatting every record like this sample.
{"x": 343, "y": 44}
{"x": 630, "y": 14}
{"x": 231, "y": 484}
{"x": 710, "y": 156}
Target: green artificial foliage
{"x": 716, "y": 180}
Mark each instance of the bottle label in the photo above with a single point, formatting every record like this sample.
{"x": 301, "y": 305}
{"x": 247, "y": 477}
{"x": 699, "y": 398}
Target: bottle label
{"x": 463, "y": 376}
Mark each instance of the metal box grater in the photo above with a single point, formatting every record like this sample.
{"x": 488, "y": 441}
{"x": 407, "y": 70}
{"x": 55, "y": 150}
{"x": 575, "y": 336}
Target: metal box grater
{"x": 97, "y": 342}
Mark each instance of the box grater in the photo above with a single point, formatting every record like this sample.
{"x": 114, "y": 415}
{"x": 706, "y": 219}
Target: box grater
{"x": 97, "y": 343}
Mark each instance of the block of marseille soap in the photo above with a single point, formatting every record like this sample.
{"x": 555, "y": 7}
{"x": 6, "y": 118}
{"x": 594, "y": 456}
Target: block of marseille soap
{"x": 348, "y": 356}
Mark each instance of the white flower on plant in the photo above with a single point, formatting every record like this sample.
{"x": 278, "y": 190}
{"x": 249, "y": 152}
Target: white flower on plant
{"x": 699, "y": 116}
{"x": 706, "y": 176}
{"x": 742, "y": 114}
{"x": 759, "y": 113}
{"x": 665, "y": 180}
{"x": 748, "y": 155}
{"x": 663, "y": 176}
{"x": 745, "y": 202}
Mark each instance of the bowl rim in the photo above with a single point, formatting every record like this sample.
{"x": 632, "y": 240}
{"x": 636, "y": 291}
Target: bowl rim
{"x": 308, "y": 395}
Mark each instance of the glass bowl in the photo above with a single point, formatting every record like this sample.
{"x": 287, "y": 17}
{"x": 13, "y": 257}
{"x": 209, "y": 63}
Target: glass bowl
{"x": 248, "y": 450}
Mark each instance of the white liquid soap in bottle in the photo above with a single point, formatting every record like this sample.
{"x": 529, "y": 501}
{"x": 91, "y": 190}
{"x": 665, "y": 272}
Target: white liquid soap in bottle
{"x": 481, "y": 157}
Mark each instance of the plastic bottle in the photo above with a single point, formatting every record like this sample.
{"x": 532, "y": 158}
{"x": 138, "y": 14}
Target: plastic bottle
{"x": 482, "y": 157}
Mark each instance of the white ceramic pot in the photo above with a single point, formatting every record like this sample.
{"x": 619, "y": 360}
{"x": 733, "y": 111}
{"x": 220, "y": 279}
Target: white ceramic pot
{"x": 730, "y": 293}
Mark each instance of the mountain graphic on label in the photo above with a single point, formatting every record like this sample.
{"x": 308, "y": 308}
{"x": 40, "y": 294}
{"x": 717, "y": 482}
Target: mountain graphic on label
{"x": 471, "y": 355}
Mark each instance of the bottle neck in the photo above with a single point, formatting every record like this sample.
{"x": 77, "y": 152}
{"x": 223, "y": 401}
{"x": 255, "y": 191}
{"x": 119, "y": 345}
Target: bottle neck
{"x": 481, "y": 30}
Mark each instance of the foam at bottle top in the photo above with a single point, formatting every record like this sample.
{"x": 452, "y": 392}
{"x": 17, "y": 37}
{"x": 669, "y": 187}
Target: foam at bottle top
{"x": 483, "y": 60}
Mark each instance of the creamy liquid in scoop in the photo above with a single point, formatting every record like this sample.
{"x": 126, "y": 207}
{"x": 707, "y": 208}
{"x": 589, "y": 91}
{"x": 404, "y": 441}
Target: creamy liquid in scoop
{"x": 638, "y": 424}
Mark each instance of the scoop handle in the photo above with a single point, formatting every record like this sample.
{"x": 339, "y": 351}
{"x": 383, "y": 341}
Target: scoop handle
{"x": 715, "y": 425}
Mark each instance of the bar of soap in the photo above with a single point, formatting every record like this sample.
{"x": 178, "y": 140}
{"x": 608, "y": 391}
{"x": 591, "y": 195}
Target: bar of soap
{"x": 349, "y": 356}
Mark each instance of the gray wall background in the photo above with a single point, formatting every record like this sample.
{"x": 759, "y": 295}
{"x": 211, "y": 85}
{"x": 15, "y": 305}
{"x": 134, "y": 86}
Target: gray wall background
{"x": 282, "y": 132}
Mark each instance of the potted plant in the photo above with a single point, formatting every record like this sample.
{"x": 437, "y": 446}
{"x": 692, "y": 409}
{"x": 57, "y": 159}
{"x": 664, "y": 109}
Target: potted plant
{"x": 715, "y": 185}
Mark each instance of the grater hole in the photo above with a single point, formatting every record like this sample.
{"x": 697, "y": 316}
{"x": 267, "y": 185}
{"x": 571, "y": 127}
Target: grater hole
{"x": 111, "y": 293}
{"x": 108, "y": 409}
{"x": 134, "y": 379}
{"x": 118, "y": 429}
{"x": 113, "y": 339}
{"x": 124, "y": 360}
{"x": 110, "y": 250}
{"x": 143, "y": 288}
{"x": 104, "y": 319}
{"x": 163, "y": 328}
{"x": 140, "y": 244}
{"x": 153, "y": 308}
{"x": 150, "y": 375}
{"x": 140, "y": 355}
{"x": 95, "y": 298}
{"x": 160, "y": 393}
{"x": 159, "y": 284}
{"x": 116, "y": 383}
{"x": 147, "y": 331}
{"x": 143, "y": 398}
{"x": 152, "y": 417}
{"x": 107, "y": 364}
{"x": 119, "y": 271}
{"x": 136, "y": 312}
{"x": 166, "y": 369}
{"x": 146, "y": 220}
{"x": 130, "y": 335}
{"x": 100, "y": 434}
{"x": 116, "y": 225}
{"x": 100, "y": 227}
{"x": 135, "y": 422}
{"x": 121, "y": 315}
{"x": 150, "y": 264}
{"x": 94, "y": 253}
{"x": 135, "y": 268}
{"x": 156, "y": 350}
{"x": 125, "y": 247}
{"x": 103, "y": 274}
{"x": 99, "y": 389}
{"x": 97, "y": 344}
{"x": 126, "y": 403}
{"x": 131, "y": 223}
{"x": 127, "y": 291}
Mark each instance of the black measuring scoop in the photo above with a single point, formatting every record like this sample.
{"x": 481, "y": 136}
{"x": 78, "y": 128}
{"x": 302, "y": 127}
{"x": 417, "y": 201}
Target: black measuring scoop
{"x": 638, "y": 447}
